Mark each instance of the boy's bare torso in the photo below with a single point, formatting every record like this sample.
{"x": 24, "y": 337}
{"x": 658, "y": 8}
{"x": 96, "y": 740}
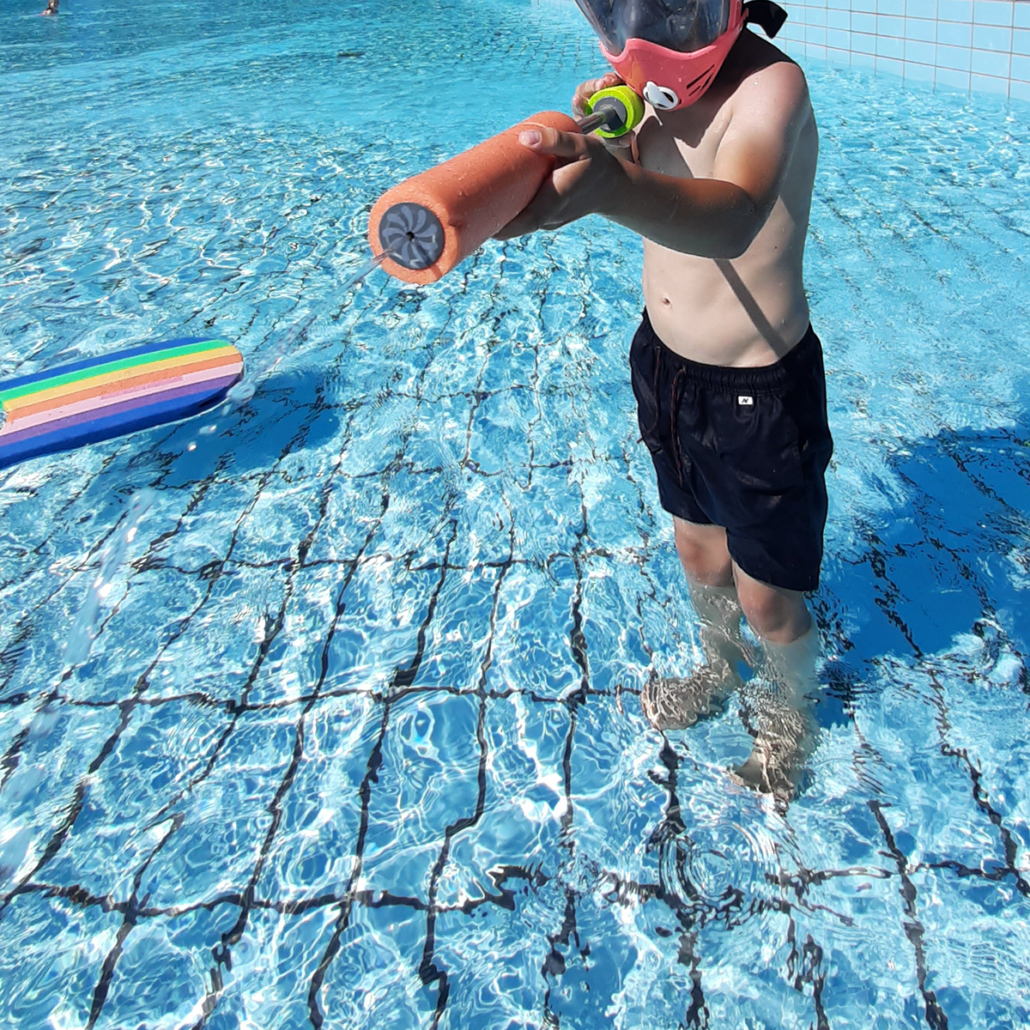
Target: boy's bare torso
{"x": 749, "y": 310}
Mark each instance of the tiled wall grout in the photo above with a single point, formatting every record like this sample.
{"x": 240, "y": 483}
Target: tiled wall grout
{"x": 978, "y": 45}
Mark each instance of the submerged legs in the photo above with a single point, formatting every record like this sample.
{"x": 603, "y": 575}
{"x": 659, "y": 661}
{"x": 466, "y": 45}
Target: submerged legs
{"x": 776, "y": 711}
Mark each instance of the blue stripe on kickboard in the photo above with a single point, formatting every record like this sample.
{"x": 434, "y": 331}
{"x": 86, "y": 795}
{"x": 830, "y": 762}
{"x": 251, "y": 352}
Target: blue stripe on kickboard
{"x": 110, "y": 427}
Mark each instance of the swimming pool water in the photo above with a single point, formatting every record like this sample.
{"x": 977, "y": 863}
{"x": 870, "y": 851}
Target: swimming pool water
{"x": 358, "y": 740}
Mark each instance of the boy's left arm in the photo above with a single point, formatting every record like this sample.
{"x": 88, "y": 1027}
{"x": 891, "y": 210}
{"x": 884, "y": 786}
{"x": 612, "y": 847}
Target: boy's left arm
{"x": 714, "y": 217}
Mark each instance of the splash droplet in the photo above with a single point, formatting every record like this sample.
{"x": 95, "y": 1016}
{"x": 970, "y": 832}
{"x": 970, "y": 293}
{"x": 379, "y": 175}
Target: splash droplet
{"x": 241, "y": 392}
{"x": 84, "y": 631}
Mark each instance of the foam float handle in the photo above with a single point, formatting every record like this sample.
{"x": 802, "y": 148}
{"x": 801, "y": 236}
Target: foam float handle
{"x": 432, "y": 221}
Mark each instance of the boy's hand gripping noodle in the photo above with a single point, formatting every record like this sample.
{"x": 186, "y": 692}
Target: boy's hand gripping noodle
{"x": 434, "y": 220}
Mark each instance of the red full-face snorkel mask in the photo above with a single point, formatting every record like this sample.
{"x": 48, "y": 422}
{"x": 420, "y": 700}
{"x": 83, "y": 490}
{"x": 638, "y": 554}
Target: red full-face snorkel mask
{"x": 669, "y": 51}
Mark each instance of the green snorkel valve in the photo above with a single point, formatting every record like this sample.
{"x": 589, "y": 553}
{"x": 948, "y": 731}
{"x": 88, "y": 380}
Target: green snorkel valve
{"x": 612, "y": 112}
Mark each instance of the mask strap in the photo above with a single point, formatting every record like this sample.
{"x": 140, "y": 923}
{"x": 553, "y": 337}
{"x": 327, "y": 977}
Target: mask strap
{"x": 766, "y": 14}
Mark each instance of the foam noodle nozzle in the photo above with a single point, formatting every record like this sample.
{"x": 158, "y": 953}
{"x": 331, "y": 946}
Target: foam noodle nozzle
{"x": 434, "y": 220}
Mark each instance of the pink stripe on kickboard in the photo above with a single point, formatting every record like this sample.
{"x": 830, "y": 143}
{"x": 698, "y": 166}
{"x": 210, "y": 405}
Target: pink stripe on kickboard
{"x": 210, "y": 387}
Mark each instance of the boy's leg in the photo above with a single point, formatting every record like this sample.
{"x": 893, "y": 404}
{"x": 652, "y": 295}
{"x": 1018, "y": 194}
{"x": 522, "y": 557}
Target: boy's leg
{"x": 675, "y": 703}
{"x": 704, "y": 553}
{"x": 706, "y": 561}
{"x": 780, "y": 714}
{"x": 780, "y": 717}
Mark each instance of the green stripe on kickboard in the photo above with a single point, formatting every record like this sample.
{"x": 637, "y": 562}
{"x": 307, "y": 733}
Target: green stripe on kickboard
{"x": 140, "y": 360}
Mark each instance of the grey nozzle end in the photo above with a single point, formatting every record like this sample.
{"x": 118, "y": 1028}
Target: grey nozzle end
{"x": 412, "y": 235}
{"x": 615, "y": 111}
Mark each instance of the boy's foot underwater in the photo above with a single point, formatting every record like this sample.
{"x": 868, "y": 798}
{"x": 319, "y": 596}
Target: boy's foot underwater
{"x": 774, "y": 768}
{"x": 784, "y": 736}
{"x": 676, "y": 703}
{"x": 775, "y": 704}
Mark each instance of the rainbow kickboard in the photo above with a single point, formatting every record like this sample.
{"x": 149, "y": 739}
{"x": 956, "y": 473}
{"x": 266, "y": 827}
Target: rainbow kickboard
{"x": 100, "y": 398}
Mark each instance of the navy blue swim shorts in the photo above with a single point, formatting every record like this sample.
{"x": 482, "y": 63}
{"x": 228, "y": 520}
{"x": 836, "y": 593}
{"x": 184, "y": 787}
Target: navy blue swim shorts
{"x": 742, "y": 448}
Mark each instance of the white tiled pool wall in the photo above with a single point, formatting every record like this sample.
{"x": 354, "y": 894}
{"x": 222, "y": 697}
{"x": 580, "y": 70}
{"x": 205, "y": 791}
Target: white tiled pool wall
{"x": 958, "y": 44}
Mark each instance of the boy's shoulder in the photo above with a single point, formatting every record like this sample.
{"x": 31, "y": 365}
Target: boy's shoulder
{"x": 759, "y": 90}
{"x": 760, "y": 83}
{"x": 755, "y": 63}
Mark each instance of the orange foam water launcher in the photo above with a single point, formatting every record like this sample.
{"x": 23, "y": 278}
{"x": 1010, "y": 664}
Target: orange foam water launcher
{"x": 436, "y": 219}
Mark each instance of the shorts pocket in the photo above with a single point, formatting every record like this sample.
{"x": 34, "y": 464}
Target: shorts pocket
{"x": 756, "y": 440}
{"x": 643, "y": 371}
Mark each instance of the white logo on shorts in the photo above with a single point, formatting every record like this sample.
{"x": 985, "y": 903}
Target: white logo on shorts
{"x": 745, "y": 399}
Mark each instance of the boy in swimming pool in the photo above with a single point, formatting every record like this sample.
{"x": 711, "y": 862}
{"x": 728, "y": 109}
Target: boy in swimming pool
{"x": 726, "y": 368}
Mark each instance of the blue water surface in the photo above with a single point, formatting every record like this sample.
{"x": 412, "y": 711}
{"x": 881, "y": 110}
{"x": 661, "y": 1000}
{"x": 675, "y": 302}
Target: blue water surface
{"x": 358, "y": 741}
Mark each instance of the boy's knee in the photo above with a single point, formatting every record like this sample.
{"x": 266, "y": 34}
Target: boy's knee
{"x": 704, "y": 560}
{"x": 777, "y": 616}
